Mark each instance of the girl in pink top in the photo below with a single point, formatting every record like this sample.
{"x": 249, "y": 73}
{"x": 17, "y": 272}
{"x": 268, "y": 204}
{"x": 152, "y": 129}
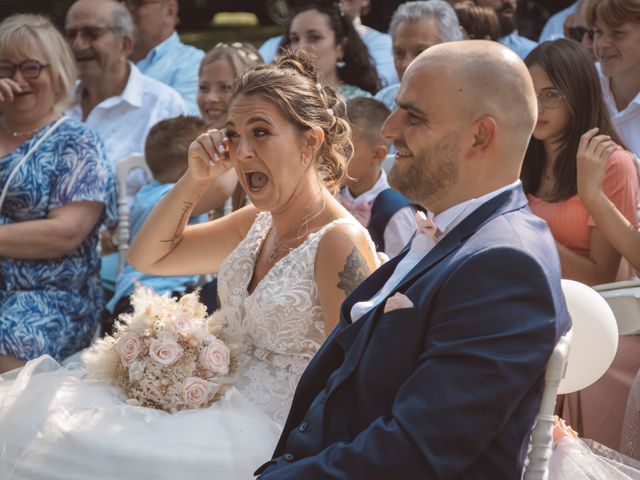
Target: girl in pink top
{"x": 573, "y": 121}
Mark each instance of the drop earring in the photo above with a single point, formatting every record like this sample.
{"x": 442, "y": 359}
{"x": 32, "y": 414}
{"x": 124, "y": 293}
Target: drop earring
{"x": 340, "y": 63}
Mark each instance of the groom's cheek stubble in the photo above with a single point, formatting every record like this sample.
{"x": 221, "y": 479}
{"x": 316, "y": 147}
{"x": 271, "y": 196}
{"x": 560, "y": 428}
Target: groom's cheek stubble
{"x": 355, "y": 271}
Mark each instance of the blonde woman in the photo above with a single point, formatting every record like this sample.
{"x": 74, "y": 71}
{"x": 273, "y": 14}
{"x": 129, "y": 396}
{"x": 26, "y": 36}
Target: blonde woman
{"x": 56, "y": 189}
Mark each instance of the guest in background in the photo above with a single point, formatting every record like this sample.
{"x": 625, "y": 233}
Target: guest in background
{"x": 570, "y": 106}
{"x": 378, "y": 43}
{"x": 507, "y": 15}
{"x": 342, "y": 60}
{"x": 159, "y": 53}
{"x": 476, "y": 22}
{"x": 56, "y": 190}
{"x": 555, "y": 27}
{"x": 616, "y": 41}
{"x": 218, "y": 70}
{"x": 112, "y": 96}
{"x": 576, "y": 28}
{"x": 166, "y": 152}
{"x": 387, "y": 214}
{"x": 416, "y": 26}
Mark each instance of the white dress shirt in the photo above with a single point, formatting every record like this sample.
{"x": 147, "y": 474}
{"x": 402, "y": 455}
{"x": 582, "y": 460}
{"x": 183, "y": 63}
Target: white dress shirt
{"x": 422, "y": 245}
{"x": 627, "y": 121}
{"x": 123, "y": 121}
{"x": 401, "y": 225}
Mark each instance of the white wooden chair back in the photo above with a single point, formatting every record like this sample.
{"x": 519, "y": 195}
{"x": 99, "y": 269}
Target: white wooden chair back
{"x": 537, "y": 464}
{"x": 123, "y": 169}
{"x": 624, "y": 299}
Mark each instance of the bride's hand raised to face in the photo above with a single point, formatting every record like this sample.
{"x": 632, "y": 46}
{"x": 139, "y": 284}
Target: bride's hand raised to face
{"x": 209, "y": 155}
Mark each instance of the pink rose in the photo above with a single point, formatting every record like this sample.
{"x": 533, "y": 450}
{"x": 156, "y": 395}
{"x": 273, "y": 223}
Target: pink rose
{"x": 165, "y": 351}
{"x": 183, "y": 324}
{"x": 197, "y": 391}
{"x": 151, "y": 391}
{"x": 128, "y": 348}
{"x": 215, "y": 357}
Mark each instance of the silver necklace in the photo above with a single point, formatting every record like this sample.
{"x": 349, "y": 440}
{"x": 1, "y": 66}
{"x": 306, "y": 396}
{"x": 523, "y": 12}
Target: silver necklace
{"x": 19, "y": 134}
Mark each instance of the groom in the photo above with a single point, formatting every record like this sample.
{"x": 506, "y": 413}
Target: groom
{"x": 436, "y": 369}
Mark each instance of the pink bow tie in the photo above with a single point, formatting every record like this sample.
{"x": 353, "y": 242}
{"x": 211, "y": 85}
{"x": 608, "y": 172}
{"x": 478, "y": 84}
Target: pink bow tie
{"x": 426, "y": 226}
{"x": 360, "y": 210}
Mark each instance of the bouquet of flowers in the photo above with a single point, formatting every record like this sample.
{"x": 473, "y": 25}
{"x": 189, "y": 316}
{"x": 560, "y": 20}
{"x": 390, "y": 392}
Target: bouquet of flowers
{"x": 166, "y": 354}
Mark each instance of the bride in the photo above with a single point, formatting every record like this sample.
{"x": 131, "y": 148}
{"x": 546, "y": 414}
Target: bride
{"x": 284, "y": 264}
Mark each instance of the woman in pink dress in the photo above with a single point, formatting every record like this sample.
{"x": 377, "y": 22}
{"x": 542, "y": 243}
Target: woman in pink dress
{"x": 574, "y": 123}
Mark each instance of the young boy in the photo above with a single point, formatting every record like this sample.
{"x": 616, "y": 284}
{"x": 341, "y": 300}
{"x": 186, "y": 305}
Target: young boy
{"x": 166, "y": 150}
{"x": 387, "y": 214}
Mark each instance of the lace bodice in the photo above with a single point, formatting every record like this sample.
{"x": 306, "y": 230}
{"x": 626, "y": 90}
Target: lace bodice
{"x": 280, "y": 322}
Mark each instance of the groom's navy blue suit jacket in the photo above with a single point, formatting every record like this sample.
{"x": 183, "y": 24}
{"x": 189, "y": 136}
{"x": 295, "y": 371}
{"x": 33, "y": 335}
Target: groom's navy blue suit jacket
{"x": 446, "y": 389}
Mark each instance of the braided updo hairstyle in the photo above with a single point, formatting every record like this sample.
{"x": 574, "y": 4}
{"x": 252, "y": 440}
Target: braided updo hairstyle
{"x": 292, "y": 84}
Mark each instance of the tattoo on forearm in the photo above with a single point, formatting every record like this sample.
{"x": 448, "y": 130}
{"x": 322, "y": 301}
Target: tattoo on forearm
{"x": 182, "y": 221}
{"x": 355, "y": 271}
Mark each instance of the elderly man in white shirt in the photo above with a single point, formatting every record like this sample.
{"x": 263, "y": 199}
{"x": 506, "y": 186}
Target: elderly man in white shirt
{"x": 112, "y": 96}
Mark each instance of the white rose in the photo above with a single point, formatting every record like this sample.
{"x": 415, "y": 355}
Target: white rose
{"x": 183, "y": 324}
{"x": 128, "y": 348}
{"x": 215, "y": 357}
{"x": 165, "y": 351}
{"x": 197, "y": 391}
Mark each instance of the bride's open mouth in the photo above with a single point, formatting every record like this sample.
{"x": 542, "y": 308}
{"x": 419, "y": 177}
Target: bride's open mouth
{"x": 256, "y": 181}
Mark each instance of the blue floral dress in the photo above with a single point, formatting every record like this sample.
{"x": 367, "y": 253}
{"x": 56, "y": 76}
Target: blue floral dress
{"x": 53, "y": 306}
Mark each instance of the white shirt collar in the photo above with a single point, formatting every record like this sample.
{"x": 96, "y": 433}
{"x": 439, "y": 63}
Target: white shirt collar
{"x": 370, "y": 195}
{"x": 608, "y": 94}
{"x": 132, "y": 93}
{"x": 452, "y": 216}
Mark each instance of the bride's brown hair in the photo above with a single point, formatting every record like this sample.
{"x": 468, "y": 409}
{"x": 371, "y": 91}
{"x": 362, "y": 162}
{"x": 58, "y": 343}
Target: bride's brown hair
{"x": 292, "y": 84}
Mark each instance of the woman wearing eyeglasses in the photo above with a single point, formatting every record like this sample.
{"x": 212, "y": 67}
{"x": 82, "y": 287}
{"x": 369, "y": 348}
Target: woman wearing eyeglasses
{"x": 55, "y": 189}
{"x": 574, "y": 125}
{"x": 573, "y": 121}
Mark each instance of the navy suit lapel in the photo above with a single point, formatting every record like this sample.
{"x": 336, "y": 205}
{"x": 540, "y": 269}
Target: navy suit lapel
{"x": 354, "y": 337}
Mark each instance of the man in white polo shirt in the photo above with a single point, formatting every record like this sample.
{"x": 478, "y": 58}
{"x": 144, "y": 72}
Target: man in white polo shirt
{"x": 112, "y": 96}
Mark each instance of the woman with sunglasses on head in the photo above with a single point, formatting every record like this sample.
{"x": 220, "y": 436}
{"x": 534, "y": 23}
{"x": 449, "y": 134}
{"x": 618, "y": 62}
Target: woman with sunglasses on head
{"x": 56, "y": 188}
{"x": 573, "y": 124}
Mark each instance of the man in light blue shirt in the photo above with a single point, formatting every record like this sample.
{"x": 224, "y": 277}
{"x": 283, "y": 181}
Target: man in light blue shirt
{"x": 507, "y": 14}
{"x": 158, "y": 51}
{"x": 554, "y": 28}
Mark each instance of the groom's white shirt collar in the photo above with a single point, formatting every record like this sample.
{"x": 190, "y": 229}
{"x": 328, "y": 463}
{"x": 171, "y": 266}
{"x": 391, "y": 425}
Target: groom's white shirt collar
{"x": 422, "y": 244}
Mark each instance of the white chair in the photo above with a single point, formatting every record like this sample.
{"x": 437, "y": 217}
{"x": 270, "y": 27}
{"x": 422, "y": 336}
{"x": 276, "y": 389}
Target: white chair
{"x": 624, "y": 299}
{"x": 123, "y": 169}
{"x": 580, "y": 357}
{"x": 540, "y": 447}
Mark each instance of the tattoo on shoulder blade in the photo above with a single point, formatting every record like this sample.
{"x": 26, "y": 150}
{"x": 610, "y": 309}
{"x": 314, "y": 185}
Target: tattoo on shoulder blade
{"x": 355, "y": 271}
{"x": 182, "y": 221}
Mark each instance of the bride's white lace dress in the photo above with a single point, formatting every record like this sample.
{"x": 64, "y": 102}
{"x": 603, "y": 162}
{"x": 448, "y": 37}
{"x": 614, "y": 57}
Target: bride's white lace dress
{"x": 57, "y": 424}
